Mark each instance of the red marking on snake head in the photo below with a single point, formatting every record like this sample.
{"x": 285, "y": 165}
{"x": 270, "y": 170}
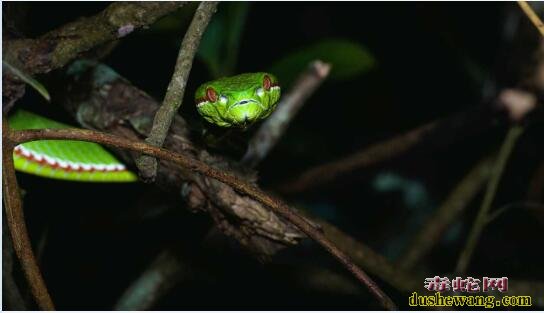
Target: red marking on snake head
{"x": 211, "y": 94}
{"x": 267, "y": 83}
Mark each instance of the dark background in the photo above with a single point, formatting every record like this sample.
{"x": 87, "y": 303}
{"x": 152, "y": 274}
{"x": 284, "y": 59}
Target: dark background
{"x": 432, "y": 60}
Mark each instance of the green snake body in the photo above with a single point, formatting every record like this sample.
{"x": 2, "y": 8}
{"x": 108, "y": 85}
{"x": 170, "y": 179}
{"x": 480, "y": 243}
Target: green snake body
{"x": 236, "y": 101}
{"x": 64, "y": 159}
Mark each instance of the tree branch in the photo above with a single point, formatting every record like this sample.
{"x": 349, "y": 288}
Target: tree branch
{"x": 58, "y": 47}
{"x": 436, "y": 134}
{"x": 161, "y": 275}
{"x": 447, "y": 213}
{"x": 368, "y": 156}
{"x": 176, "y": 89}
{"x": 532, "y": 16}
{"x": 17, "y": 227}
{"x": 276, "y": 124}
{"x": 100, "y": 99}
{"x": 239, "y": 185}
{"x": 366, "y": 257}
{"x": 483, "y": 214}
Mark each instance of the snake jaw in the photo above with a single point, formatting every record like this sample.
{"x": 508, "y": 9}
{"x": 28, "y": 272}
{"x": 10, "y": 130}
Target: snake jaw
{"x": 201, "y": 103}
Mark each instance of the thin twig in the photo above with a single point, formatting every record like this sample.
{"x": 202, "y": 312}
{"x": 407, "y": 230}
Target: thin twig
{"x": 17, "y": 227}
{"x": 436, "y": 134}
{"x": 161, "y": 275}
{"x": 366, "y": 257}
{"x": 483, "y": 214}
{"x": 532, "y": 16}
{"x": 176, "y": 89}
{"x": 532, "y": 206}
{"x": 275, "y": 126}
{"x": 446, "y": 214}
{"x": 197, "y": 166}
{"x": 365, "y": 157}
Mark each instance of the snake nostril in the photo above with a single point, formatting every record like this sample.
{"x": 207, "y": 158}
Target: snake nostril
{"x": 243, "y": 102}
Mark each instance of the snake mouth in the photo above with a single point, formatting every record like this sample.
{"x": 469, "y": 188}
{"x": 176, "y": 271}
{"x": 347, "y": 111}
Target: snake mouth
{"x": 246, "y": 102}
{"x": 245, "y": 114}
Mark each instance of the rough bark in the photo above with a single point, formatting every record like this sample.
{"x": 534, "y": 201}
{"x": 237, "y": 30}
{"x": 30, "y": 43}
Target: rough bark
{"x": 102, "y": 100}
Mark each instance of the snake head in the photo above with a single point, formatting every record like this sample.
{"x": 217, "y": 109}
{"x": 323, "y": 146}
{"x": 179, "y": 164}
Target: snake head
{"x": 238, "y": 101}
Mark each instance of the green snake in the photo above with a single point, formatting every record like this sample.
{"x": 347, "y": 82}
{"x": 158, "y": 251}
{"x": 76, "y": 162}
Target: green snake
{"x": 236, "y": 101}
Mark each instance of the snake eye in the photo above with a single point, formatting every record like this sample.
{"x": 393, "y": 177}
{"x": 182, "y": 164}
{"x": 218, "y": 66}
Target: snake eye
{"x": 267, "y": 82}
{"x": 211, "y": 94}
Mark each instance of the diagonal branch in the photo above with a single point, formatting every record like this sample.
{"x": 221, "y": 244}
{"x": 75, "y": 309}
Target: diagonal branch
{"x": 436, "y": 134}
{"x": 17, "y": 227}
{"x": 459, "y": 198}
{"x": 161, "y": 275}
{"x": 370, "y": 155}
{"x": 176, "y": 89}
{"x": 532, "y": 16}
{"x": 275, "y": 126}
{"x": 483, "y": 215}
{"x": 200, "y": 167}
{"x": 371, "y": 260}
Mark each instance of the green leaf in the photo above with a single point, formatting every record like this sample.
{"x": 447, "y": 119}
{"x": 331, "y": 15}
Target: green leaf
{"x": 236, "y": 14}
{"x": 210, "y": 48}
{"x": 27, "y": 79}
{"x": 348, "y": 58}
{"x": 219, "y": 46}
